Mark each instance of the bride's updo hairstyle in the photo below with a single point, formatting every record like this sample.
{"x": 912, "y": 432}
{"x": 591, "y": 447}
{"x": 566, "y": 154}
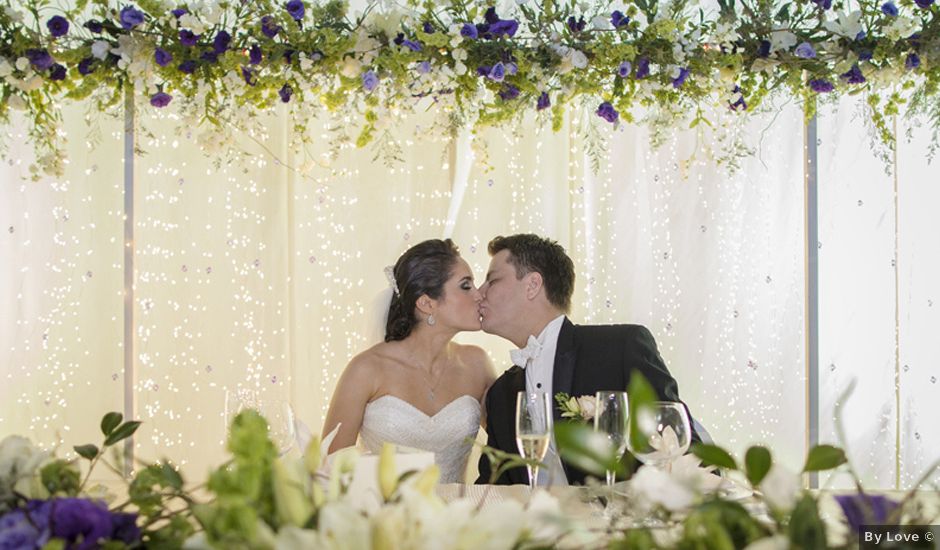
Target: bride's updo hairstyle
{"x": 422, "y": 269}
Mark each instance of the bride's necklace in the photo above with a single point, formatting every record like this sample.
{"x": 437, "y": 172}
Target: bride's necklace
{"x": 431, "y": 387}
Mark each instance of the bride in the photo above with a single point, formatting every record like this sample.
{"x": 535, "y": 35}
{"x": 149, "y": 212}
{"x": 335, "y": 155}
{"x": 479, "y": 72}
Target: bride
{"x": 418, "y": 388}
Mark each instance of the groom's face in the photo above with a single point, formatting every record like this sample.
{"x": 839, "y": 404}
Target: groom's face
{"x": 503, "y": 296}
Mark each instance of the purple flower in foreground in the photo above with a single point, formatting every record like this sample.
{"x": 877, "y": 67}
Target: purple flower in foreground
{"x": 607, "y": 112}
{"x": 248, "y": 76}
{"x": 179, "y": 12}
{"x": 642, "y": 68}
{"x": 427, "y": 27}
{"x": 221, "y": 42}
{"x": 739, "y": 104}
{"x": 805, "y": 50}
{"x": 57, "y": 72}
{"x": 576, "y": 25}
{"x": 490, "y": 16}
{"x": 763, "y": 49}
{"x": 497, "y": 73}
{"x": 162, "y": 57}
{"x": 254, "y": 55}
{"x": 209, "y": 57}
{"x": 26, "y": 527}
{"x": 924, "y": 3}
{"x": 865, "y": 55}
{"x": 131, "y": 17}
{"x": 370, "y": 80}
{"x": 94, "y": 26}
{"x": 618, "y": 19}
{"x": 507, "y": 27}
{"x": 160, "y": 99}
{"x": 424, "y": 67}
{"x": 889, "y": 9}
{"x": 543, "y": 102}
{"x": 76, "y": 518}
{"x": 39, "y": 59}
{"x": 469, "y": 31}
{"x": 85, "y": 66}
{"x": 411, "y": 45}
{"x": 269, "y": 26}
{"x": 912, "y": 61}
{"x": 187, "y": 67}
{"x": 188, "y": 38}
{"x": 285, "y": 92}
{"x": 623, "y": 71}
{"x": 854, "y": 75}
{"x": 862, "y": 509}
{"x": 295, "y": 8}
{"x": 124, "y": 528}
{"x": 821, "y": 86}
{"x": 823, "y": 4}
{"x": 509, "y": 92}
{"x": 58, "y": 26}
{"x": 680, "y": 80}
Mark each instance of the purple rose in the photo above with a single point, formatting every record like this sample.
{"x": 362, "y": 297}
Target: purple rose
{"x": 740, "y": 104}
{"x": 680, "y": 80}
{"x": 187, "y": 67}
{"x": 124, "y": 528}
{"x": 889, "y": 9}
{"x": 821, "y": 86}
{"x": 763, "y": 49}
{"x": 39, "y": 59}
{"x": 427, "y": 27}
{"x": 823, "y": 4}
{"x": 179, "y": 12}
{"x": 57, "y": 72}
{"x": 607, "y": 112}
{"x": 490, "y": 15}
{"x": 254, "y": 55}
{"x": 854, "y": 75}
{"x": 576, "y": 25}
{"x": 497, "y": 73}
{"x": 188, "y": 38}
{"x": 924, "y": 3}
{"x": 160, "y": 99}
{"x": 85, "y": 66}
{"x": 269, "y": 26}
{"x": 912, "y": 61}
{"x": 221, "y": 42}
{"x": 543, "y": 102}
{"x": 285, "y": 92}
{"x": 370, "y": 80}
{"x": 860, "y": 36}
{"x": 77, "y": 518}
{"x": 623, "y": 71}
{"x": 26, "y": 527}
{"x": 618, "y": 19}
{"x": 162, "y": 57}
{"x": 248, "y": 76}
{"x": 860, "y": 509}
{"x": 424, "y": 67}
{"x": 509, "y": 92}
{"x": 507, "y": 27}
{"x": 805, "y": 50}
{"x": 131, "y": 17}
{"x": 288, "y": 56}
{"x": 58, "y": 26}
{"x": 295, "y": 8}
{"x": 209, "y": 57}
{"x": 642, "y": 68}
{"x": 865, "y": 55}
{"x": 94, "y": 26}
{"x": 469, "y": 31}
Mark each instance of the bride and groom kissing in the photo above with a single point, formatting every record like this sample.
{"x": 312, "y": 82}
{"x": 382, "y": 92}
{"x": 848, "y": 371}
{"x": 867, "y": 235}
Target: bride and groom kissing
{"x": 420, "y": 389}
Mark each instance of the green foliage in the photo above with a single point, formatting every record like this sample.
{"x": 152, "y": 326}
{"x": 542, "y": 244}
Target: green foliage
{"x": 59, "y": 477}
{"x": 824, "y": 457}
{"x": 720, "y": 525}
{"x": 712, "y": 455}
{"x": 586, "y": 449}
{"x": 757, "y": 462}
{"x": 806, "y": 529}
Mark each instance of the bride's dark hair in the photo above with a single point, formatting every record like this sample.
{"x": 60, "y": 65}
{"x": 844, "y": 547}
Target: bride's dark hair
{"x": 422, "y": 269}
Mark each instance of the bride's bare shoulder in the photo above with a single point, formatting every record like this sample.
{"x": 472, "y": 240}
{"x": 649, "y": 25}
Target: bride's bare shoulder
{"x": 373, "y": 359}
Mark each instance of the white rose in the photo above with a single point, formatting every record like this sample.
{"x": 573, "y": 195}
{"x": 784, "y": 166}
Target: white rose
{"x": 5, "y": 68}
{"x": 22, "y": 64}
{"x": 577, "y": 58}
{"x": 656, "y": 487}
{"x": 19, "y": 459}
{"x": 459, "y": 54}
{"x": 14, "y": 15}
{"x": 588, "y": 406}
{"x": 781, "y": 487}
{"x": 17, "y": 102}
{"x": 351, "y": 67}
{"x": 99, "y": 49}
{"x": 600, "y": 22}
{"x": 460, "y": 69}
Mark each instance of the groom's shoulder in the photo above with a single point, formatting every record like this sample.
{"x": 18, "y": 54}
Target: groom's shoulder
{"x": 614, "y": 330}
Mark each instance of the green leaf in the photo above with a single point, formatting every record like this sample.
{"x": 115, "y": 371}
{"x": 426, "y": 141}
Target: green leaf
{"x": 824, "y": 457}
{"x": 806, "y": 528}
{"x": 86, "y": 451}
{"x": 713, "y": 455}
{"x": 757, "y": 463}
{"x": 640, "y": 395}
{"x": 171, "y": 477}
{"x": 110, "y": 421}
{"x": 123, "y": 431}
{"x": 586, "y": 449}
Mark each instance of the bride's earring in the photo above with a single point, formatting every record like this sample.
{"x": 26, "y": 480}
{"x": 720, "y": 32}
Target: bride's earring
{"x": 431, "y": 320}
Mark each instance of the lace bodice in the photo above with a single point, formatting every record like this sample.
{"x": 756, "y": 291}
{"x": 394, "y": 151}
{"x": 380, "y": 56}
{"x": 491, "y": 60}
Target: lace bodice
{"x": 393, "y": 419}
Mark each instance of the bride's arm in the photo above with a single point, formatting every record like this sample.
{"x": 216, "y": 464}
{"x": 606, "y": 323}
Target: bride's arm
{"x": 353, "y": 391}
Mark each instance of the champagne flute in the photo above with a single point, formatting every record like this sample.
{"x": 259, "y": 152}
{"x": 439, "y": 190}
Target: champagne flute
{"x": 664, "y": 434}
{"x": 280, "y": 417}
{"x": 610, "y": 418}
{"x": 533, "y": 429}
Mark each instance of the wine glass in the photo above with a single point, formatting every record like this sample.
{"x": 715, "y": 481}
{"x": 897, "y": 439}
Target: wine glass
{"x": 281, "y": 427}
{"x": 533, "y": 429}
{"x": 664, "y": 434}
{"x": 610, "y": 418}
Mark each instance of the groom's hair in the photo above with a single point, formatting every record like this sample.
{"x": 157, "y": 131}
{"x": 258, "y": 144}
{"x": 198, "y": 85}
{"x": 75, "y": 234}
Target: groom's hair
{"x": 422, "y": 269}
{"x": 528, "y": 253}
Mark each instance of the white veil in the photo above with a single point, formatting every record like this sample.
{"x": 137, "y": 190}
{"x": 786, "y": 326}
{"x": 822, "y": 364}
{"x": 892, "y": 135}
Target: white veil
{"x": 376, "y": 317}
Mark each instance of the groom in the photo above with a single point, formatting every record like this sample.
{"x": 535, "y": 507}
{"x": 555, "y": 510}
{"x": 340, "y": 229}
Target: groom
{"x": 526, "y": 296}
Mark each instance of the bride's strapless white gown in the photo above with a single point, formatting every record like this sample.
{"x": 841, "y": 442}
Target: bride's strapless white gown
{"x": 445, "y": 434}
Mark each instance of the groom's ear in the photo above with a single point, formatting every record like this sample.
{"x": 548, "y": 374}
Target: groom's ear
{"x": 533, "y": 284}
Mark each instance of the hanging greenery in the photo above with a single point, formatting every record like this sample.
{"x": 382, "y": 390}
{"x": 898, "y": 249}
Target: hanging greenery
{"x": 481, "y": 64}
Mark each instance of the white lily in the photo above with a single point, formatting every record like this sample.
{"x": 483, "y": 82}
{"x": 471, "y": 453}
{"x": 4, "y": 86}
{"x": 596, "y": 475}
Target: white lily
{"x": 846, "y": 24}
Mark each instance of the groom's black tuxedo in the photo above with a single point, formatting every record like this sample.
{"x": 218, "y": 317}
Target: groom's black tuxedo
{"x": 588, "y": 359}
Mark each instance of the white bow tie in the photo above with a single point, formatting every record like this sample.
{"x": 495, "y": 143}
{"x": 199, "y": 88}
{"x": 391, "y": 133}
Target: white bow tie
{"x": 531, "y": 350}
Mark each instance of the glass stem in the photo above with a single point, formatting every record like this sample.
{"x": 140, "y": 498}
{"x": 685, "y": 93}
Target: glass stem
{"x": 533, "y": 476}
{"x": 611, "y": 478}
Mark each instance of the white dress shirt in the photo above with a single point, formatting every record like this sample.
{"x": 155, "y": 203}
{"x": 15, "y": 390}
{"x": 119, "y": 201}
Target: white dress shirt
{"x": 538, "y": 378}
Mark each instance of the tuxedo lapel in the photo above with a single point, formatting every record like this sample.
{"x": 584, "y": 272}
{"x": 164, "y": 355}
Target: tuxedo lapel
{"x": 515, "y": 383}
{"x": 565, "y": 357}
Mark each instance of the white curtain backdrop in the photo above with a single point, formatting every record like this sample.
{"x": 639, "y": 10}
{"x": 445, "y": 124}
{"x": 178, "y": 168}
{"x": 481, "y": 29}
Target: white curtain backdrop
{"x": 260, "y": 273}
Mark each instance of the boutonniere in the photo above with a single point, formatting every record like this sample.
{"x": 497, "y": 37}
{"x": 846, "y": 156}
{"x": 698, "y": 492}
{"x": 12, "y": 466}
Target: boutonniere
{"x": 580, "y": 409}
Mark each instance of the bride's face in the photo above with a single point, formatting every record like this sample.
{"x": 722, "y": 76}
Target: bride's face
{"x": 458, "y": 307}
